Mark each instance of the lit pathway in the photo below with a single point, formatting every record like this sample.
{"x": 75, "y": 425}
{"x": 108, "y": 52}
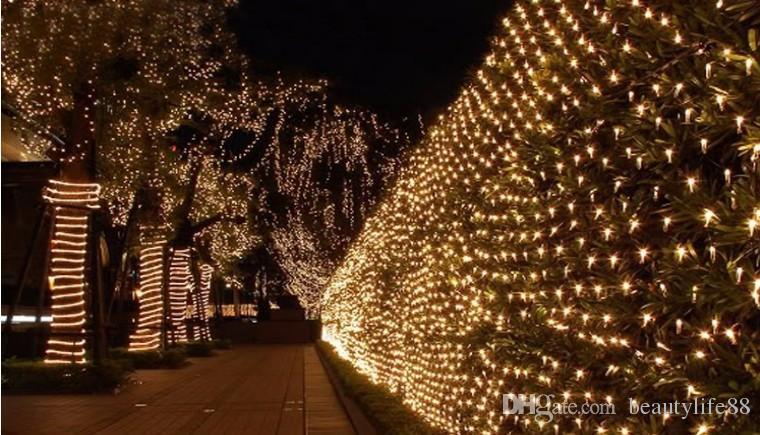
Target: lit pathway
{"x": 246, "y": 390}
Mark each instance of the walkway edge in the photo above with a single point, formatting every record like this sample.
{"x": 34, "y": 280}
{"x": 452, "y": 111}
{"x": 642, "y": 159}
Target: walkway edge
{"x": 358, "y": 419}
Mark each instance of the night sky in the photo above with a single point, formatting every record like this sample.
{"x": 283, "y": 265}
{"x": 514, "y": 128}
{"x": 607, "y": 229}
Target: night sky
{"x": 398, "y": 58}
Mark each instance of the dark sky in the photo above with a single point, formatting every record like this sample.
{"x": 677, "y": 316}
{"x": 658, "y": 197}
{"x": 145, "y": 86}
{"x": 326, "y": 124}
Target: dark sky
{"x": 396, "y": 57}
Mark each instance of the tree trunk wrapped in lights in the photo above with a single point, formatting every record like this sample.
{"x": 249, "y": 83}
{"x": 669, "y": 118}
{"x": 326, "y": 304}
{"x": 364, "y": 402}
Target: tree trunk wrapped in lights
{"x": 581, "y": 223}
{"x": 180, "y": 285}
{"x": 200, "y": 303}
{"x": 72, "y": 204}
{"x": 147, "y": 336}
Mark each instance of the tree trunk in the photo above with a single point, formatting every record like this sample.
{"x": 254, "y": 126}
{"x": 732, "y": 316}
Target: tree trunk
{"x": 184, "y": 234}
{"x": 77, "y": 159}
{"x": 74, "y": 198}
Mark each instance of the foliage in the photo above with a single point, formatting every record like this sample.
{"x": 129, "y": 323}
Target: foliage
{"x": 143, "y": 63}
{"x": 199, "y": 348}
{"x": 386, "y": 411}
{"x": 228, "y": 196}
{"x": 173, "y": 358}
{"x": 37, "y": 377}
{"x": 147, "y": 68}
{"x": 322, "y": 171}
{"x": 583, "y": 221}
{"x": 222, "y": 344}
{"x": 166, "y": 90}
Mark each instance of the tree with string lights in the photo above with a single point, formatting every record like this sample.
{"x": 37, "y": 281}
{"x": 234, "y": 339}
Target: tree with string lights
{"x": 318, "y": 168}
{"x": 213, "y": 228}
{"x": 208, "y": 196}
{"x": 88, "y": 73}
{"x": 190, "y": 178}
{"x": 582, "y": 222}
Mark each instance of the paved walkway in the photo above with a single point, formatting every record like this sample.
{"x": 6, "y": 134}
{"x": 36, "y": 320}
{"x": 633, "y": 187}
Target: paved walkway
{"x": 267, "y": 390}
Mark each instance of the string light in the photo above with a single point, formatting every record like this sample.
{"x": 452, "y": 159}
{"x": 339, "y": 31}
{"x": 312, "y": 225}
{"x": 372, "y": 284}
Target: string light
{"x": 319, "y": 225}
{"x": 59, "y": 54}
{"x": 447, "y": 300}
{"x": 180, "y": 286}
{"x": 147, "y": 335}
{"x": 72, "y": 204}
{"x": 228, "y": 310}
{"x": 201, "y": 302}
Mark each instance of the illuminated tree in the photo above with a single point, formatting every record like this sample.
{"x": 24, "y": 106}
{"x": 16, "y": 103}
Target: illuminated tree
{"x": 206, "y": 222}
{"x": 581, "y": 222}
{"x": 319, "y": 167}
{"x": 207, "y": 203}
{"x": 89, "y": 73}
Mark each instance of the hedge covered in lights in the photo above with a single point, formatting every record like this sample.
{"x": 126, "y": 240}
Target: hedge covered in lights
{"x": 582, "y": 221}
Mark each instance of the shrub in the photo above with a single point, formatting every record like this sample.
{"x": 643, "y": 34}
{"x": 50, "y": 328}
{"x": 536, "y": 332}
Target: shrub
{"x": 37, "y": 377}
{"x": 199, "y": 348}
{"x": 151, "y": 359}
{"x": 384, "y": 409}
{"x": 175, "y": 358}
{"x": 222, "y": 343}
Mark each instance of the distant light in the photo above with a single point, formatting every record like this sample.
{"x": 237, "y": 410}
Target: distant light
{"x": 18, "y": 318}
